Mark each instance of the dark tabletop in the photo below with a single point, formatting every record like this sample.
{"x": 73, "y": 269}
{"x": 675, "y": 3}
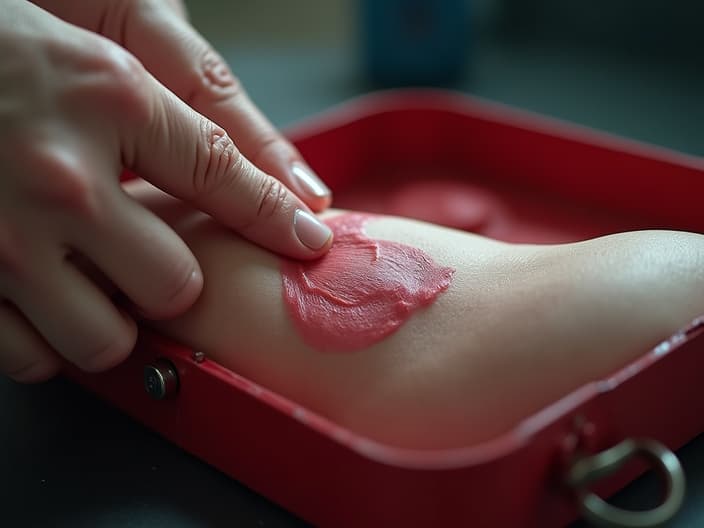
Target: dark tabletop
{"x": 69, "y": 460}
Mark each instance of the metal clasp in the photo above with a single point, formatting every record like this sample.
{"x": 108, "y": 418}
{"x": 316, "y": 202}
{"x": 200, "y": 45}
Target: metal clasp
{"x": 588, "y": 469}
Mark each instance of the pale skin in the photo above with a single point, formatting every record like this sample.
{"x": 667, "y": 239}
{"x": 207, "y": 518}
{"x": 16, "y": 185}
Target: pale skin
{"x": 89, "y": 88}
{"x": 520, "y": 325}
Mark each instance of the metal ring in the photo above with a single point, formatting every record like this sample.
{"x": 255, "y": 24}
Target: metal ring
{"x": 589, "y": 469}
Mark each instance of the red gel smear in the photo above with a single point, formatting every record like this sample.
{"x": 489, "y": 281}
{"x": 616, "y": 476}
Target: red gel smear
{"x": 362, "y": 290}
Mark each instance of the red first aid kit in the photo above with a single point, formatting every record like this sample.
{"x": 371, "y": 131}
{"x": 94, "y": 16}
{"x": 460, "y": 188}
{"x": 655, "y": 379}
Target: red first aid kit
{"x": 521, "y": 177}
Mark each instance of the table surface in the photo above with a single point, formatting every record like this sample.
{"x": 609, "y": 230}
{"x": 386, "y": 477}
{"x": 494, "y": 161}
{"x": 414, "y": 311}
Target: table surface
{"x": 69, "y": 460}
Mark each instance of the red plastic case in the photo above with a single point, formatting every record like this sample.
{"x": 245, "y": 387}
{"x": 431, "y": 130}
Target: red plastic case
{"x": 547, "y": 181}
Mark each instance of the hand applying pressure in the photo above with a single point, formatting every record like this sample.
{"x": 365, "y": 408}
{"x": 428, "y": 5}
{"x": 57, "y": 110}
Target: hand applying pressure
{"x": 87, "y": 88}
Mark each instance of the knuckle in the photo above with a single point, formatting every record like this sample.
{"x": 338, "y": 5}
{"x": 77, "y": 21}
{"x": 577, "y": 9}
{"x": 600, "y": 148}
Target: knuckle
{"x": 124, "y": 83}
{"x": 68, "y": 187}
{"x": 271, "y": 198}
{"x": 213, "y": 80}
{"x": 217, "y": 160}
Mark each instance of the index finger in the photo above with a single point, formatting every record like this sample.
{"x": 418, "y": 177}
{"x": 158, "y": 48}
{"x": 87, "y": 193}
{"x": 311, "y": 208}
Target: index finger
{"x": 182, "y": 60}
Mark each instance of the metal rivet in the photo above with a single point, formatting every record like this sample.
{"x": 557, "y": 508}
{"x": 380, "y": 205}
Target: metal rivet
{"x": 198, "y": 356}
{"x": 161, "y": 379}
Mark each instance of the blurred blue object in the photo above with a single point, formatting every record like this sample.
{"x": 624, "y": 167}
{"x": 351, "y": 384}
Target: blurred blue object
{"x": 415, "y": 41}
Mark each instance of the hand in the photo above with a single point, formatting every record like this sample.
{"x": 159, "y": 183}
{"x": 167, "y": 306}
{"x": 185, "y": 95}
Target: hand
{"x": 77, "y": 108}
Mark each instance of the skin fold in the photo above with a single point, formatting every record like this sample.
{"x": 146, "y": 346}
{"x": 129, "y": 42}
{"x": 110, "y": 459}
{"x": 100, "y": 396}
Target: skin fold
{"x": 519, "y": 327}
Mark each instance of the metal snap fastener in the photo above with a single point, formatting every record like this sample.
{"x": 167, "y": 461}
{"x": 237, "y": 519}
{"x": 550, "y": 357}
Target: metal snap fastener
{"x": 161, "y": 379}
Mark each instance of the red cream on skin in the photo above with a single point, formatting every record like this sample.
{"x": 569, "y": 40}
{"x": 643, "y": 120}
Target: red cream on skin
{"x": 362, "y": 290}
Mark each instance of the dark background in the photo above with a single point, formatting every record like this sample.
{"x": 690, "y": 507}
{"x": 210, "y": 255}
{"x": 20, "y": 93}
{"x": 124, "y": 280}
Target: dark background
{"x": 630, "y": 67}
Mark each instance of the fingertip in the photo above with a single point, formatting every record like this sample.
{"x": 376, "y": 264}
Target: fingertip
{"x": 188, "y": 294}
{"x": 312, "y": 233}
{"x": 116, "y": 352}
{"x": 324, "y": 249}
{"x": 180, "y": 301}
{"x": 282, "y": 160}
{"x": 309, "y": 187}
{"x": 318, "y": 205}
{"x": 38, "y": 372}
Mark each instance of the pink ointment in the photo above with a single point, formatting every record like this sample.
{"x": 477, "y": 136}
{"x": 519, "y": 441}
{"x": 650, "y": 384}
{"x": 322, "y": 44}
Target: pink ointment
{"x": 362, "y": 290}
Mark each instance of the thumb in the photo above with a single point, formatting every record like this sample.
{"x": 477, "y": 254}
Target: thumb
{"x": 190, "y": 157}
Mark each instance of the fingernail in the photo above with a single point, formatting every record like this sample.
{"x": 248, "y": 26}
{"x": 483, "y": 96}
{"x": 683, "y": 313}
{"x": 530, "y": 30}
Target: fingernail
{"x": 307, "y": 182}
{"x": 310, "y": 231}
